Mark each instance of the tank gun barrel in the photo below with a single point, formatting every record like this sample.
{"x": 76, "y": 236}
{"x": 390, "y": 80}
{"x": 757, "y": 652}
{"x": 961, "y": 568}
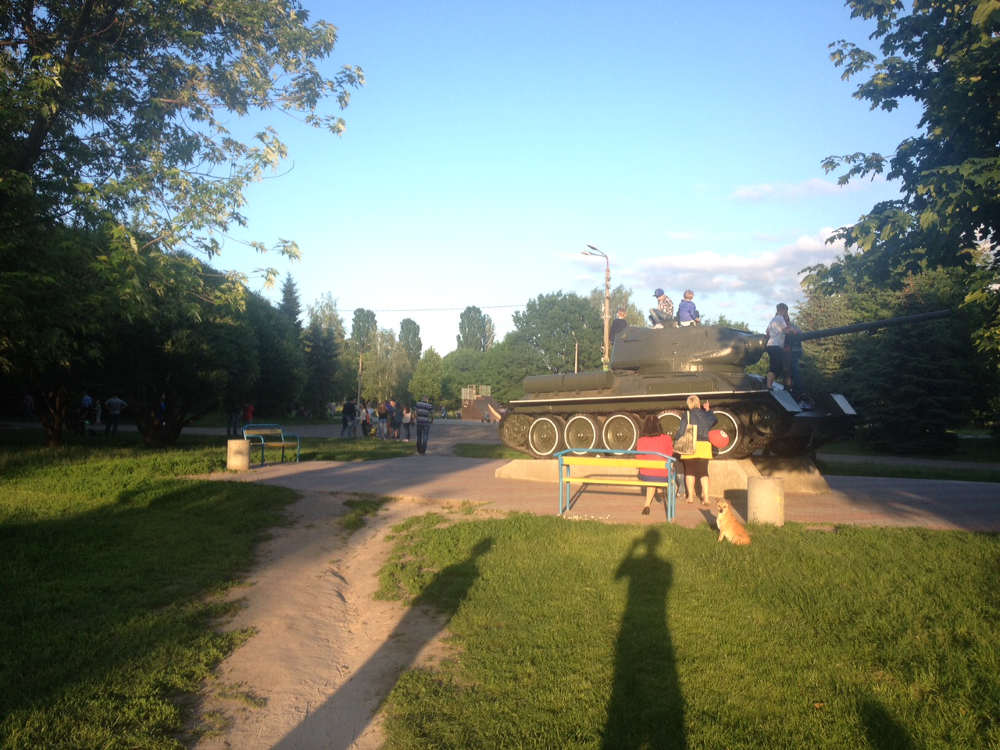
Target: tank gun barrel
{"x": 869, "y": 326}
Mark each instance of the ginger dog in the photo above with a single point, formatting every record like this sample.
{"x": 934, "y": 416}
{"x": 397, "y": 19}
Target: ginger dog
{"x": 729, "y": 525}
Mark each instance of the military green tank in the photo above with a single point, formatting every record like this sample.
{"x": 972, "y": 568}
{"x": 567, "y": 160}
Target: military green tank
{"x": 654, "y": 370}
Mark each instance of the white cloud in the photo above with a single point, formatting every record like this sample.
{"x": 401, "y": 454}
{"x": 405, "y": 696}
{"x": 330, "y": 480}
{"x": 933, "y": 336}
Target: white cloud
{"x": 745, "y": 286}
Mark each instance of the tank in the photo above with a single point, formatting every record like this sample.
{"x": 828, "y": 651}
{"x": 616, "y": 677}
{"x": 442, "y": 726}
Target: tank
{"x": 654, "y": 370}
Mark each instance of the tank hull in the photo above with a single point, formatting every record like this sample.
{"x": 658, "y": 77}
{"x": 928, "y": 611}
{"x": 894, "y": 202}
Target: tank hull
{"x": 754, "y": 418}
{"x": 654, "y": 371}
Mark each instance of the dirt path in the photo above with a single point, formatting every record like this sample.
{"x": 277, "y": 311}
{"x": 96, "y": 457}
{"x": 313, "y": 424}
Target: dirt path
{"x": 325, "y": 653}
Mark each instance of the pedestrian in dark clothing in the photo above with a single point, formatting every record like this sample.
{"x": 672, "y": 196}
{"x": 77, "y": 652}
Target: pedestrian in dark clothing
{"x": 347, "y": 417}
{"x": 425, "y": 415}
{"x": 618, "y": 325}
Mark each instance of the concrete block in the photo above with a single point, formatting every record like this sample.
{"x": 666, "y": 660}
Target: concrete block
{"x": 238, "y": 455}
{"x": 766, "y": 501}
{"x": 798, "y": 474}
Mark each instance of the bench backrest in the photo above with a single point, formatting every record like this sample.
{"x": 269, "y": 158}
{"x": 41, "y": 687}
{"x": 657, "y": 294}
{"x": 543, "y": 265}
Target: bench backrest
{"x": 264, "y": 430}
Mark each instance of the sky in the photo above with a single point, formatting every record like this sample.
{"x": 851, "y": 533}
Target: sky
{"x": 492, "y": 142}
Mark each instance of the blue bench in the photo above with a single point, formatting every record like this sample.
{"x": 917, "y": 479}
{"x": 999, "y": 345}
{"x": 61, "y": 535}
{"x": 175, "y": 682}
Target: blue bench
{"x": 271, "y": 436}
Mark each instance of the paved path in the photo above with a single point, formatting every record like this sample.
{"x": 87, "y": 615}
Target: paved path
{"x": 442, "y": 477}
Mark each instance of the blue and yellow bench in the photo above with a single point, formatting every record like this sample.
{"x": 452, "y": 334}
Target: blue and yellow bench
{"x": 607, "y": 459}
{"x": 271, "y": 436}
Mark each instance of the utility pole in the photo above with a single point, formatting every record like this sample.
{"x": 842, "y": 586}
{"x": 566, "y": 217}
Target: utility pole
{"x": 606, "y": 356}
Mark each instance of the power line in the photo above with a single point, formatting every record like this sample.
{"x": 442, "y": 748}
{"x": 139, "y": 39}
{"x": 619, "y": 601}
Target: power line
{"x": 428, "y": 309}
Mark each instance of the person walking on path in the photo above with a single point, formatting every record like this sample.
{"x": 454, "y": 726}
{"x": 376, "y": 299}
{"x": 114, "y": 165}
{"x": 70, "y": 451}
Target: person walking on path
{"x": 407, "y": 420}
{"x": 425, "y": 415}
{"x": 383, "y": 420}
{"x": 347, "y": 416}
{"x": 115, "y": 406}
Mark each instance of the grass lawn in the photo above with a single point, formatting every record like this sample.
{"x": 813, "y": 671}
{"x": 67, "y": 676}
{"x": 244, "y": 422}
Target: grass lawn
{"x": 866, "y": 469}
{"x": 985, "y": 449}
{"x": 109, "y": 567}
{"x": 481, "y": 450}
{"x": 579, "y": 634}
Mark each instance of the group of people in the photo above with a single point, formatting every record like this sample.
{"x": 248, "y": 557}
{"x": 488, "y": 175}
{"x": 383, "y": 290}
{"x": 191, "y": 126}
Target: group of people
{"x": 387, "y": 420}
{"x": 662, "y": 315}
{"x": 93, "y": 411}
{"x": 699, "y": 414}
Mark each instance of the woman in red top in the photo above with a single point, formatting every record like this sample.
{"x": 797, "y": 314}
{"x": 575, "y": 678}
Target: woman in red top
{"x": 653, "y": 439}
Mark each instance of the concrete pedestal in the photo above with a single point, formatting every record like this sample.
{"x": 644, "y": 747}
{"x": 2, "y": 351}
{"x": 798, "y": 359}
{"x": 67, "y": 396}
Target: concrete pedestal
{"x": 766, "y": 500}
{"x": 238, "y": 455}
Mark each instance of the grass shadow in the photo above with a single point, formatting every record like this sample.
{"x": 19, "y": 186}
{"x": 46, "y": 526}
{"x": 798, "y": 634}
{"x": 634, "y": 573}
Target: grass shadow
{"x": 646, "y": 708}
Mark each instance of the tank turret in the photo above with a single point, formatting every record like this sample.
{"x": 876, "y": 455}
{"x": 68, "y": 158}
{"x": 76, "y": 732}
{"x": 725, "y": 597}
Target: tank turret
{"x": 652, "y": 372}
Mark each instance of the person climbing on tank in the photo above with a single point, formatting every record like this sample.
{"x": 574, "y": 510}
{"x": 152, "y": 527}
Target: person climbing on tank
{"x": 619, "y": 324}
{"x": 776, "y": 330}
{"x": 687, "y": 313}
{"x": 663, "y": 314}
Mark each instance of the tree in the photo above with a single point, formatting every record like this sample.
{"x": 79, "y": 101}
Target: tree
{"x": 911, "y": 384}
{"x": 363, "y": 329}
{"x": 119, "y": 111}
{"x": 428, "y": 377}
{"x": 320, "y": 350}
{"x": 282, "y": 361}
{"x": 475, "y": 330}
{"x": 552, "y": 324}
{"x": 620, "y": 298}
{"x": 324, "y": 313}
{"x": 506, "y": 365}
{"x": 462, "y": 367}
{"x": 290, "y": 306}
{"x": 946, "y": 57}
{"x": 722, "y": 320}
{"x": 409, "y": 339}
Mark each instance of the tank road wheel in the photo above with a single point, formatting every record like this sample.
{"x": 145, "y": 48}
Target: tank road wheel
{"x": 581, "y": 432}
{"x": 621, "y": 432}
{"x": 545, "y": 436}
{"x": 514, "y": 430}
{"x": 669, "y": 421}
{"x": 738, "y": 446}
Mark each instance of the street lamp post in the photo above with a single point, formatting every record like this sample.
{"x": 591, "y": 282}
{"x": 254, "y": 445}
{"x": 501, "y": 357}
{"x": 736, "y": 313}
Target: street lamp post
{"x": 606, "y": 358}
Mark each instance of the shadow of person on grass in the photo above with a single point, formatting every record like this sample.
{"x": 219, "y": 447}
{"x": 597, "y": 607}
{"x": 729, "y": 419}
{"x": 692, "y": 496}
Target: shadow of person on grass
{"x": 646, "y": 707}
{"x": 344, "y": 716}
{"x": 883, "y": 731}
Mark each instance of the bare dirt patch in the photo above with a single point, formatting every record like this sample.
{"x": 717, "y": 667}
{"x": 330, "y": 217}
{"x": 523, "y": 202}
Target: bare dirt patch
{"x": 325, "y": 653}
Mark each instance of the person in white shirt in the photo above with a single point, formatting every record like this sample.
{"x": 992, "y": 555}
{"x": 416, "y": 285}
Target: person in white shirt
{"x": 776, "y": 343}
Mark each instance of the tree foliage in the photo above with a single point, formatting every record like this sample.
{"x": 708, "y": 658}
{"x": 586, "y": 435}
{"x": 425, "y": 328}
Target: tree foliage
{"x": 946, "y": 57}
{"x": 620, "y": 298}
{"x": 409, "y": 339}
{"x": 428, "y": 377}
{"x": 552, "y": 324}
{"x": 290, "y": 305}
{"x": 120, "y": 111}
{"x": 475, "y": 330}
